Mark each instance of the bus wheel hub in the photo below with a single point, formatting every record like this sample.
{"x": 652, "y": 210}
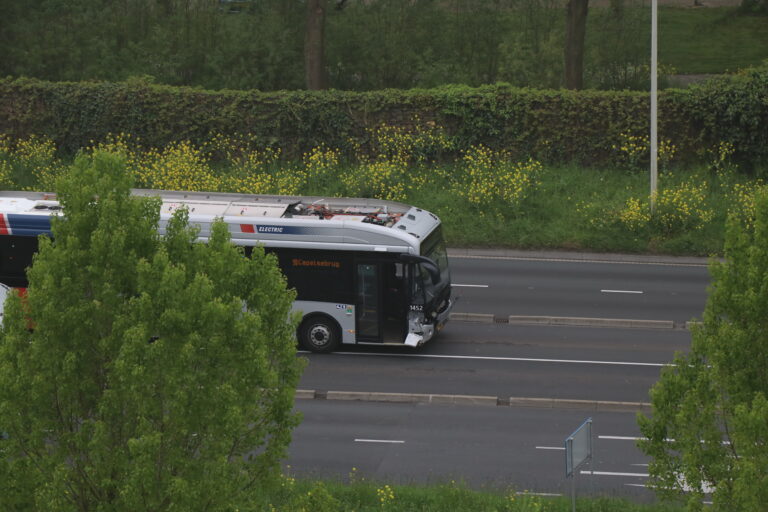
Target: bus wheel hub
{"x": 320, "y": 335}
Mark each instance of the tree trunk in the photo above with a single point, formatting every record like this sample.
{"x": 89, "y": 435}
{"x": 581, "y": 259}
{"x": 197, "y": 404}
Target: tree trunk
{"x": 575, "y": 29}
{"x": 314, "y": 62}
{"x": 617, "y": 8}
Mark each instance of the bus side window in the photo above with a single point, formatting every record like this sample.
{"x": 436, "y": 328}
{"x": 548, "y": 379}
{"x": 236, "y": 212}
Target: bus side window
{"x": 395, "y": 277}
{"x": 417, "y": 284}
{"x": 15, "y": 256}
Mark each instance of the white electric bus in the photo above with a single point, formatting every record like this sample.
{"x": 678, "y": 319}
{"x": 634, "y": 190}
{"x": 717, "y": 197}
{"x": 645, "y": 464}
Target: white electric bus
{"x": 365, "y": 271}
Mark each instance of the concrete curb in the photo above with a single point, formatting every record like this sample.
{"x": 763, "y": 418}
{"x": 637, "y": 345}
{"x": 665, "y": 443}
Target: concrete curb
{"x": 366, "y": 396}
{"x": 628, "y": 323}
{"x": 471, "y": 317}
{"x": 592, "y": 322}
{"x": 474, "y": 400}
{"x": 304, "y": 394}
{"x": 590, "y": 405}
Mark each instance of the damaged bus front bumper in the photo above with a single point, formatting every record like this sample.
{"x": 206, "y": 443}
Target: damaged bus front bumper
{"x": 421, "y": 332}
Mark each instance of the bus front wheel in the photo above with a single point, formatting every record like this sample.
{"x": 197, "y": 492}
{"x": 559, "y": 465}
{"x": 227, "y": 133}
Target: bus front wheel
{"x": 319, "y": 334}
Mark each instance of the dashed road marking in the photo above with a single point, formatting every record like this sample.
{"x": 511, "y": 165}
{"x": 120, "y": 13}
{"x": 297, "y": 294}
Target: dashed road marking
{"x": 623, "y": 438}
{"x": 612, "y": 473}
{"x": 392, "y": 441}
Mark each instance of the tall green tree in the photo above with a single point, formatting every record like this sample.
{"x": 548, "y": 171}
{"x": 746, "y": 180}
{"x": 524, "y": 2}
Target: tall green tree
{"x": 160, "y": 372}
{"x": 709, "y": 427}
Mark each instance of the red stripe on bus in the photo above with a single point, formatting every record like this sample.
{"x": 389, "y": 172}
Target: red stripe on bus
{"x": 246, "y": 228}
{"x": 4, "y": 228}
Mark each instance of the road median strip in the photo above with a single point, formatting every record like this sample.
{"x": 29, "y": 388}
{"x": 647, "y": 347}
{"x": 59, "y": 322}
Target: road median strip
{"x": 471, "y": 317}
{"x": 591, "y": 322}
{"x": 628, "y": 323}
{"x": 436, "y": 399}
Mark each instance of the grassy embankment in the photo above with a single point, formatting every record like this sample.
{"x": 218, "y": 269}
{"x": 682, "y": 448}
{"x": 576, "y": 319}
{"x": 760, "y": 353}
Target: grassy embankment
{"x": 484, "y": 197}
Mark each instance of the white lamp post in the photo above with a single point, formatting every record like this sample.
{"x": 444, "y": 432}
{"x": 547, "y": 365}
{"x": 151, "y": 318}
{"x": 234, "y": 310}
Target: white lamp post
{"x": 654, "y": 86}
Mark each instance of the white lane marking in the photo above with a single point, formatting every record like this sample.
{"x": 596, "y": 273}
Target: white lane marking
{"x": 393, "y": 441}
{"x": 636, "y": 485}
{"x": 643, "y": 465}
{"x": 621, "y": 291}
{"x": 471, "y": 285}
{"x": 550, "y": 448}
{"x": 489, "y": 358}
{"x": 611, "y": 473}
{"x": 527, "y": 493}
{"x": 626, "y": 438}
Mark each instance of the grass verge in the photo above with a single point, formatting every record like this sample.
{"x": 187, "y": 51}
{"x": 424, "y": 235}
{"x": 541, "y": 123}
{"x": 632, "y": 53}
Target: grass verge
{"x": 364, "y": 496}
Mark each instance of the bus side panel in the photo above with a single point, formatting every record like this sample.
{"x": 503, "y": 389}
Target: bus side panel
{"x": 319, "y": 276}
{"x": 324, "y": 283}
{"x": 344, "y": 314}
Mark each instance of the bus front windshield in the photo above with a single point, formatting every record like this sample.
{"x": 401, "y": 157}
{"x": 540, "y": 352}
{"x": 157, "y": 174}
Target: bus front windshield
{"x": 424, "y": 290}
{"x": 434, "y": 249}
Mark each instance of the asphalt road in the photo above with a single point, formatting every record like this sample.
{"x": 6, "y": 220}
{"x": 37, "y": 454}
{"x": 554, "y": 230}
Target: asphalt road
{"x": 507, "y": 360}
{"x": 579, "y": 288}
{"x": 496, "y": 442}
{"x": 499, "y": 448}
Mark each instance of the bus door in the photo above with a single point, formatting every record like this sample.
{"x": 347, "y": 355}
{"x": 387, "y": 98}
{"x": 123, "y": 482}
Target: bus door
{"x": 394, "y": 301}
{"x": 368, "y": 305}
{"x": 381, "y": 303}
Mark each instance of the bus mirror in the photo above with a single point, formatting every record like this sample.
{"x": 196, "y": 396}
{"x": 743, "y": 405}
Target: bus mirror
{"x": 428, "y": 264}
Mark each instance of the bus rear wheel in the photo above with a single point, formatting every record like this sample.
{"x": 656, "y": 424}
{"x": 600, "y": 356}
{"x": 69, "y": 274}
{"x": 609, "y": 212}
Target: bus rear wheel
{"x": 319, "y": 334}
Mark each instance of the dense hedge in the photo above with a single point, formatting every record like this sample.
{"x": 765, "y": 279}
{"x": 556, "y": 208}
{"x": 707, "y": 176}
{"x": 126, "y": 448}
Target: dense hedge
{"x": 552, "y": 125}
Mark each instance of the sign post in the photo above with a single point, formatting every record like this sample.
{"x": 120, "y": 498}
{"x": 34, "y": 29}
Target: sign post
{"x": 578, "y": 451}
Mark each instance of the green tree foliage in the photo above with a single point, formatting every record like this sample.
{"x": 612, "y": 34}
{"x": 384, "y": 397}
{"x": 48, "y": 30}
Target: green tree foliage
{"x": 178, "y": 42}
{"x": 551, "y": 126}
{"x": 160, "y": 373}
{"x": 532, "y": 50}
{"x": 618, "y": 49}
{"x": 754, "y": 7}
{"x": 709, "y": 427}
{"x": 258, "y": 44}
